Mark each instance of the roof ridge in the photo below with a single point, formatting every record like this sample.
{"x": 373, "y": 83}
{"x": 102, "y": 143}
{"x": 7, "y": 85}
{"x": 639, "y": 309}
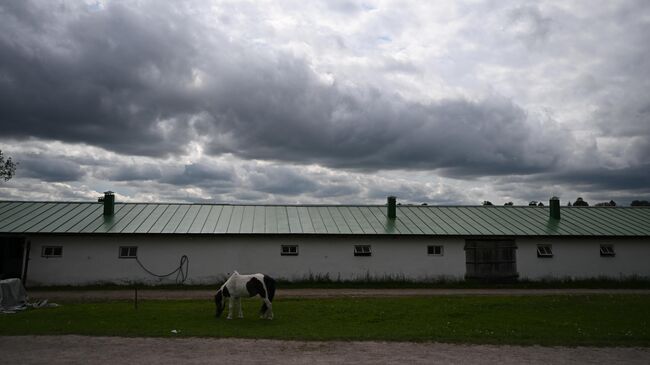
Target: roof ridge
{"x": 324, "y": 205}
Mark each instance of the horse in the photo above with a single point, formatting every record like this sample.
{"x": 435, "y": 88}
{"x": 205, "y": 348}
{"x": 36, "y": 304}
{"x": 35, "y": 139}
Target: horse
{"x": 238, "y": 286}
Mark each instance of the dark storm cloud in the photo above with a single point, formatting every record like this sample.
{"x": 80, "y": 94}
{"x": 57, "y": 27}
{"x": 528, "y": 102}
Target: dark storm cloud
{"x": 104, "y": 78}
{"x": 405, "y": 192}
{"x": 636, "y": 178}
{"x": 376, "y": 131}
{"x": 410, "y": 193}
{"x": 48, "y": 168}
{"x": 621, "y": 93}
{"x": 202, "y": 174}
{"x": 336, "y": 189}
{"x": 136, "y": 81}
{"x": 621, "y": 184}
{"x": 281, "y": 180}
{"x": 133, "y": 172}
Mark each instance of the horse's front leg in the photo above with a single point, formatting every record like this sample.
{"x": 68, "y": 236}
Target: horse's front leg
{"x": 230, "y": 304}
{"x": 241, "y": 313}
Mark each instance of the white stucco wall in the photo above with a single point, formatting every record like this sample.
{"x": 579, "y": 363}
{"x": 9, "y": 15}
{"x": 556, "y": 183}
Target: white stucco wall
{"x": 94, "y": 259}
{"x": 580, "y": 258}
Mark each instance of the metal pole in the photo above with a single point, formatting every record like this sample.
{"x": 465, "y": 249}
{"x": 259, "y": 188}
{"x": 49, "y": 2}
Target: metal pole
{"x": 26, "y": 249}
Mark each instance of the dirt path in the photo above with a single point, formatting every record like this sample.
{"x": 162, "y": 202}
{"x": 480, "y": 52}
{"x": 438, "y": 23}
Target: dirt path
{"x": 316, "y": 293}
{"x": 160, "y": 351}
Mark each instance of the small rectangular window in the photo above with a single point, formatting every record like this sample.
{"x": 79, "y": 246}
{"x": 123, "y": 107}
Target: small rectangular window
{"x": 128, "y": 252}
{"x": 607, "y": 250}
{"x": 289, "y": 250}
{"x": 544, "y": 251}
{"x": 52, "y": 251}
{"x": 435, "y": 250}
{"x": 362, "y": 250}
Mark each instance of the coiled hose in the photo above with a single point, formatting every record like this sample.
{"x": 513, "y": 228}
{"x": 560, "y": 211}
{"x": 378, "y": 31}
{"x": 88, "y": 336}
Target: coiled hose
{"x": 180, "y": 271}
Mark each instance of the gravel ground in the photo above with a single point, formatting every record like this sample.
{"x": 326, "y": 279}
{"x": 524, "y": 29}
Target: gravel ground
{"x": 120, "y": 350}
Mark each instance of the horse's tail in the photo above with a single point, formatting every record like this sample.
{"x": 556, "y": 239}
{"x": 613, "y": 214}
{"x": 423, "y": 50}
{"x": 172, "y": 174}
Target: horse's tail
{"x": 270, "y": 292}
{"x": 270, "y": 287}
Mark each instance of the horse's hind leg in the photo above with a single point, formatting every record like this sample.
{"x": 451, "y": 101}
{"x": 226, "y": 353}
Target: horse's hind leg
{"x": 263, "y": 309}
{"x": 231, "y": 300}
{"x": 267, "y": 308}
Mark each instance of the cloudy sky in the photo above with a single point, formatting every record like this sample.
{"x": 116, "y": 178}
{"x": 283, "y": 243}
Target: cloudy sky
{"x": 326, "y": 102}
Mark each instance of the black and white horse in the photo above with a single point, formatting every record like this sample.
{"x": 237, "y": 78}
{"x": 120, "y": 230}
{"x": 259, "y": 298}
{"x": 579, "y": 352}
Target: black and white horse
{"x": 238, "y": 286}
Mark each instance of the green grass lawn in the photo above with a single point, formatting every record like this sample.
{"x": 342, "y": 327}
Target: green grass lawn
{"x": 594, "y": 320}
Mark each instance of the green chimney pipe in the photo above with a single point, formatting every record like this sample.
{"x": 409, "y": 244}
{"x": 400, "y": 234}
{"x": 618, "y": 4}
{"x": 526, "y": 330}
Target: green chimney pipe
{"x": 392, "y": 207}
{"x": 554, "y": 203}
{"x": 109, "y": 203}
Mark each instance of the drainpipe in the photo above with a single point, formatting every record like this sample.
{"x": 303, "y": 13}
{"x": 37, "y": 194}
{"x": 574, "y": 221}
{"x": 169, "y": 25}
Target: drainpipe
{"x": 26, "y": 249}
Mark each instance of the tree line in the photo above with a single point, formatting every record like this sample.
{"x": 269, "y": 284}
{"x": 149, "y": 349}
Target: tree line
{"x": 579, "y": 202}
{"x": 7, "y": 167}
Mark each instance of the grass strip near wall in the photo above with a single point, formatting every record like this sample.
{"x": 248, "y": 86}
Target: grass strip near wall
{"x": 589, "y": 320}
{"x": 391, "y": 282}
{"x": 318, "y": 282}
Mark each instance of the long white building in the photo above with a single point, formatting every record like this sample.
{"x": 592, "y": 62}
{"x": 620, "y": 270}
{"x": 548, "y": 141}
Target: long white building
{"x": 77, "y": 243}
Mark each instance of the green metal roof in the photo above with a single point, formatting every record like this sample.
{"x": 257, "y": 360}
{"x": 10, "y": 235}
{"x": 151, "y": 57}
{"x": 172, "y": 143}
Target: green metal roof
{"x": 156, "y": 218}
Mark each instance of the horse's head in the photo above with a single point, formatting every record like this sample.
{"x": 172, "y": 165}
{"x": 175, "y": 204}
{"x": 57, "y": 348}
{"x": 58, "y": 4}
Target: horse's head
{"x": 220, "y": 300}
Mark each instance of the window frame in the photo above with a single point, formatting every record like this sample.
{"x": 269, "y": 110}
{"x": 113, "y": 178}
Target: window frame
{"x": 545, "y": 250}
{"x": 129, "y": 255}
{"x": 360, "y": 250}
{"x": 609, "y": 248}
{"x": 288, "y": 252}
{"x": 53, "y": 253}
{"x": 431, "y": 250}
